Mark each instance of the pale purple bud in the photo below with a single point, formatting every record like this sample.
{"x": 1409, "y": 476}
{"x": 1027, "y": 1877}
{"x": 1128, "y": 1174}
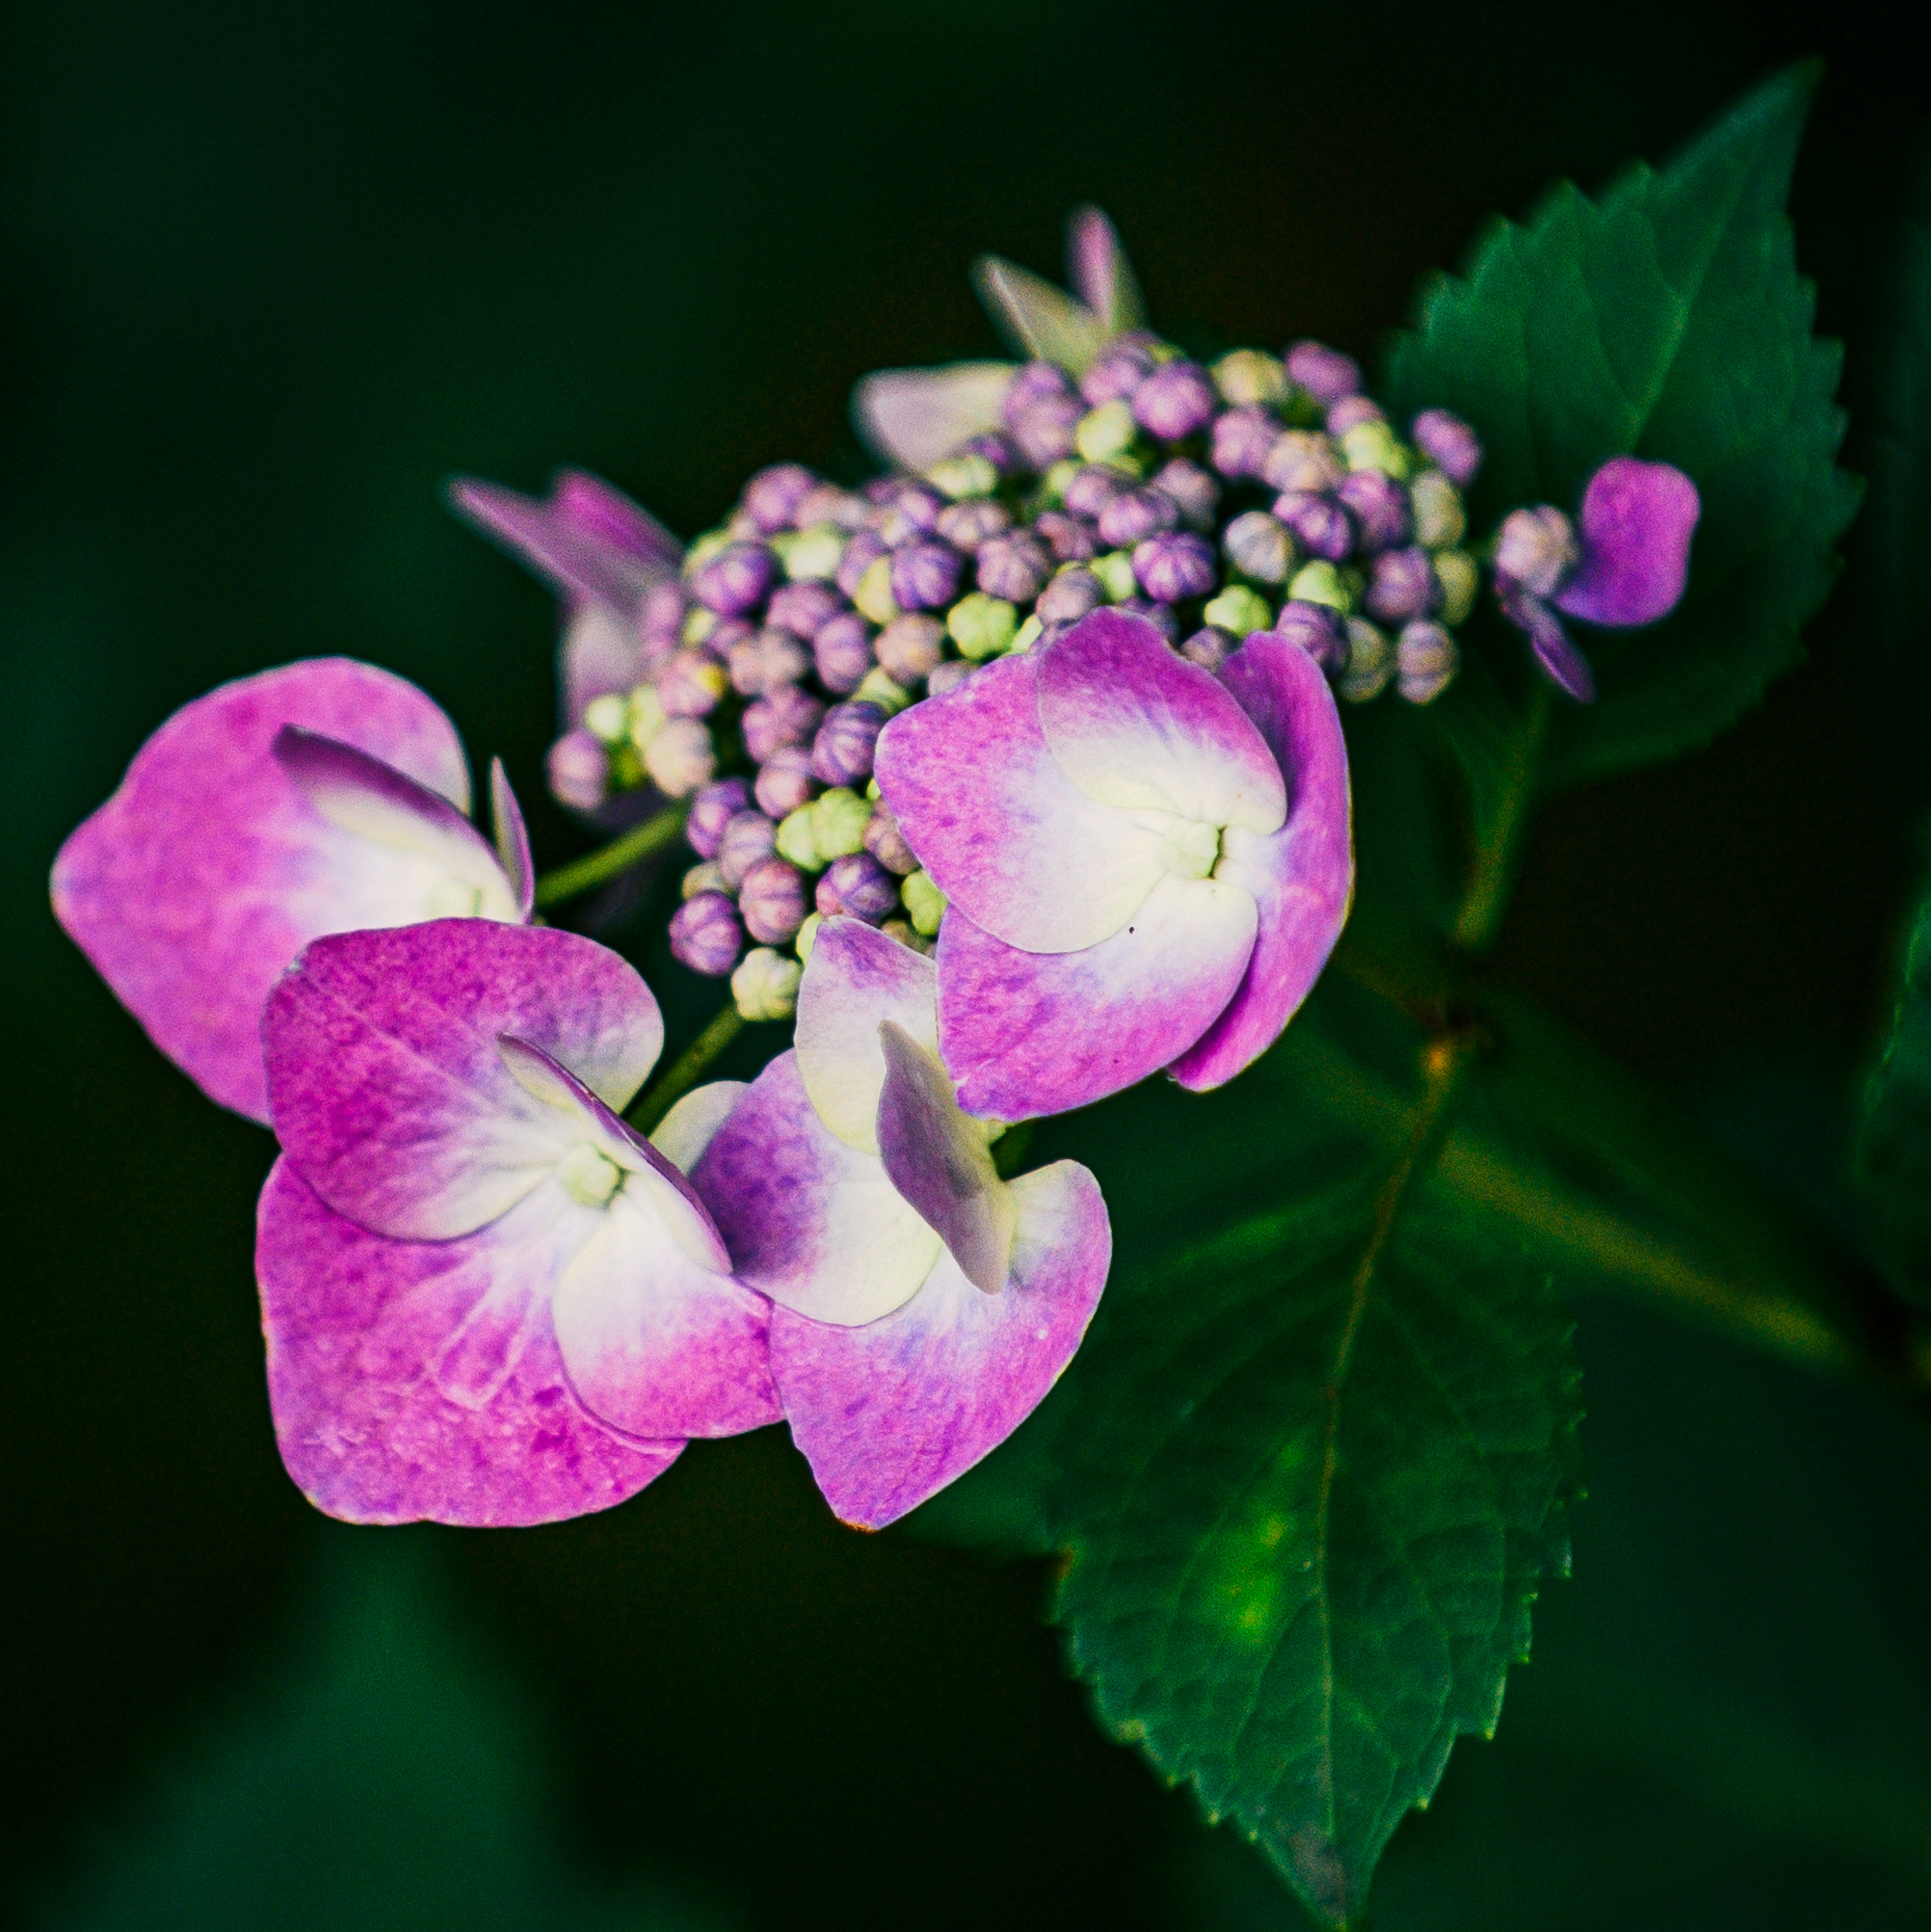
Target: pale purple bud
{"x": 1536, "y": 549}
{"x": 690, "y": 685}
{"x": 1425, "y": 662}
{"x": 1380, "y": 508}
{"x": 858, "y": 886}
{"x": 1178, "y": 400}
{"x": 828, "y": 504}
{"x": 661, "y": 621}
{"x": 948, "y": 676}
{"x": 1449, "y": 444}
{"x": 878, "y": 491}
{"x": 1032, "y": 383}
{"x": 771, "y": 497}
{"x": 1135, "y": 515}
{"x": 966, "y": 526}
{"x": 747, "y": 837}
{"x": 771, "y": 902}
{"x": 1351, "y": 412}
{"x": 925, "y": 576}
{"x": 803, "y": 609}
{"x": 1325, "y": 373}
{"x": 913, "y": 514}
{"x": 785, "y": 782}
{"x": 766, "y": 659}
{"x": 842, "y": 651}
{"x": 886, "y": 843}
{"x": 1317, "y": 630}
{"x": 710, "y": 811}
{"x": 1046, "y": 431}
{"x": 1401, "y": 585}
{"x": 1119, "y": 372}
{"x": 1207, "y": 647}
{"x": 578, "y": 769}
{"x": 841, "y": 753}
{"x": 1070, "y": 538}
{"x": 706, "y": 936}
{"x": 907, "y": 648}
{"x": 1069, "y": 597}
{"x": 680, "y": 756}
{"x": 724, "y": 637}
{"x": 1259, "y": 546}
{"x": 864, "y": 550}
{"x": 737, "y": 580}
{"x": 1092, "y": 487}
{"x": 1194, "y": 490}
{"x": 1163, "y": 617}
{"x": 1242, "y": 439}
{"x": 787, "y": 717}
{"x": 1013, "y": 566}
{"x": 1301, "y": 460}
{"x": 996, "y": 446}
{"x": 1321, "y": 526}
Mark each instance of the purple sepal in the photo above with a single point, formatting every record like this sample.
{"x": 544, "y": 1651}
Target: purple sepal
{"x": 772, "y": 901}
{"x": 1172, "y": 567}
{"x": 1014, "y": 566}
{"x": 1565, "y": 668}
{"x": 1032, "y": 383}
{"x": 706, "y": 935}
{"x": 771, "y": 497}
{"x": 788, "y": 716}
{"x": 1135, "y": 515}
{"x": 1097, "y": 267}
{"x": 858, "y": 886}
{"x": 736, "y": 580}
{"x": 711, "y": 812}
{"x": 1636, "y": 525}
{"x": 841, "y": 753}
{"x": 803, "y": 609}
{"x": 1178, "y": 400}
{"x": 925, "y": 575}
{"x": 1243, "y": 438}
{"x": 1449, "y": 444}
{"x": 1401, "y": 585}
{"x": 586, "y": 539}
{"x": 842, "y": 653}
{"x": 1325, "y": 373}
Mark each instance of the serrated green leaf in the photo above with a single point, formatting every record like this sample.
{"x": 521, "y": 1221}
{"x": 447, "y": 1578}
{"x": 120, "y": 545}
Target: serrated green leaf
{"x": 1666, "y": 320}
{"x": 1895, "y": 1146}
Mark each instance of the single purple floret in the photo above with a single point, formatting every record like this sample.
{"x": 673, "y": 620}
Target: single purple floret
{"x": 913, "y": 514}
{"x": 1322, "y": 528}
{"x": 1091, "y": 488}
{"x": 1351, "y": 412}
{"x": 841, "y": 752}
{"x": 1014, "y": 566}
{"x": 1071, "y": 539}
{"x": 1316, "y": 629}
{"x": 789, "y": 716}
{"x": 1242, "y": 439}
{"x": 1119, "y": 372}
{"x": 1032, "y": 383}
{"x": 803, "y": 609}
{"x": 842, "y": 652}
{"x": 1325, "y": 373}
{"x": 737, "y": 580}
{"x": 747, "y": 837}
{"x": 886, "y": 843}
{"x": 966, "y": 526}
{"x": 1401, "y": 585}
{"x": 1449, "y": 444}
{"x": 1045, "y": 430}
{"x": 864, "y": 548}
{"x": 712, "y": 809}
{"x": 1174, "y": 566}
{"x": 1207, "y": 647}
{"x": 1259, "y": 546}
{"x": 578, "y": 769}
{"x": 771, "y": 497}
{"x": 1163, "y": 617}
{"x": 1193, "y": 489}
{"x": 1135, "y": 515}
{"x": 1380, "y": 507}
{"x": 1178, "y": 400}
{"x": 771, "y": 902}
{"x": 859, "y": 885}
{"x": 765, "y": 660}
{"x": 785, "y": 782}
{"x": 925, "y": 575}
{"x": 685, "y": 687}
{"x": 909, "y": 647}
{"x": 706, "y": 935}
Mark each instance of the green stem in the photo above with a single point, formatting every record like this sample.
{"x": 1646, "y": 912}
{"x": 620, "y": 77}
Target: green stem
{"x": 1498, "y": 840}
{"x": 596, "y": 868}
{"x": 689, "y": 1067}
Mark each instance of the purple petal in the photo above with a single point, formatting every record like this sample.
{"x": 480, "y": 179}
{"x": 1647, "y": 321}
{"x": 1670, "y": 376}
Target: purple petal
{"x": 513, "y": 852}
{"x": 993, "y": 817}
{"x": 1635, "y": 526}
{"x": 358, "y": 1329}
{"x": 810, "y": 1221}
{"x": 601, "y": 652}
{"x": 208, "y": 871}
{"x": 1135, "y": 726}
{"x": 1101, "y": 275}
{"x": 1029, "y": 1033}
{"x": 1303, "y": 876}
{"x": 913, "y": 417}
{"x": 1566, "y": 667}
{"x": 889, "y": 1414}
{"x": 586, "y": 539}
{"x": 390, "y": 1091}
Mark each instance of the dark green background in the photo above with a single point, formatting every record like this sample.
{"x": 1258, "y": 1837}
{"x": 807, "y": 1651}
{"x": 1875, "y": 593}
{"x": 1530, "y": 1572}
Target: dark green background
{"x": 271, "y": 275}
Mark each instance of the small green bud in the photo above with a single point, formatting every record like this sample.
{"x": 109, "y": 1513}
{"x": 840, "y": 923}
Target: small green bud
{"x": 797, "y": 839}
{"x": 1250, "y": 375}
{"x": 959, "y": 477}
{"x": 841, "y": 818}
{"x": 881, "y": 688}
{"x": 808, "y": 934}
{"x": 705, "y": 548}
{"x": 1027, "y": 635}
{"x": 607, "y": 717}
{"x": 901, "y": 930}
{"x": 812, "y": 555}
{"x": 1320, "y": 583}
{"x": 981, "y": 626}
{"x": 925, "y": 904}
{"x": 1371, "y": 661}
{"x": 1053, "y": 484}
{"x": 708, "y": 877}
{"x": 873, "y": 595}
{"x": 1456, "y": 572}
{"x": 1238, "y": 611}
{"x": 1374, "y": 446}
{"x": 871, "y": 791}
{"x": 766, "y": 985}
{"x": 1440, "y": 519}
{"x": 1115, "y": 572}
{"x": 699, "y": 625}
{"x": 626, "y": 767}
{"x": 644, "y": 716}
{"x": 1107, "y": 431}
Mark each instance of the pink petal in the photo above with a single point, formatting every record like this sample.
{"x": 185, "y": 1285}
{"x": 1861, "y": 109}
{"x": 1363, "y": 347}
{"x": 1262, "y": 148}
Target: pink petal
{"x": 1636, "y": 522}
{"x": 208, "y": 870}
{"x": 1301, "y": 876}
{"x": 1100, "y": 276}
{"x": 1028, "y": 1032}
{"x": 1136, "y": 726}
{"x": 810, "y": 1221}
{"x": 1006, "y": 835}
{"x": 390, "y": 1092}
{"x": 512, "y": 840}
{"x": 358, "y": 1327}
{"x": 601, "y": 652}
{"x": 889, "y": 1414}
{"x": 586, "y": 539}
{"x": 913, "y": 417}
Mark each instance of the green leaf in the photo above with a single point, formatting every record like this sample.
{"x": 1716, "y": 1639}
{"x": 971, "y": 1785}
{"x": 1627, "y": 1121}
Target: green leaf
{"x": 1895, "y": 1147}
{"x": 1665, "y": 320}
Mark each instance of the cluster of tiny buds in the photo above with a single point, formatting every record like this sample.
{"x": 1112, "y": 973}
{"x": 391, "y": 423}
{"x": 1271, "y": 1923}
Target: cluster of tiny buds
{"x": 1264, "y": 493}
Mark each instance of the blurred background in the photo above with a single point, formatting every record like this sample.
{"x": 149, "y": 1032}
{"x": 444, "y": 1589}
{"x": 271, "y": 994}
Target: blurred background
{"x": 271, "y": 275}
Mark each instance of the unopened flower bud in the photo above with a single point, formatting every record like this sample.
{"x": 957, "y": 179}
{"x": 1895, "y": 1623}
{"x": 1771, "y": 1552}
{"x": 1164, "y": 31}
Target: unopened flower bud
{"x": 724, "y": 637}
{"x": 1048, "y": 431}
{"x": 858, "y": 887}
{"x": 1373, "y": 445}
{"x": 578, "y": 768}
{"x": 886, "y": 843}
{"x": 771, "y": 902}
{"x": 661, "y": 617}
{"x": 1426, "y": 661}
{"x": 812, "y": 555}
{"x": 771, "y": 497}
{"x": 1092, "y": 487}
{"x": 881, "y": 688}
{"x": 948, "y": 676}
{"x": 1032, "y": 382}
{"x": 981, "y": 626}
{"x": 1069, "y": 597}
{"x": 1316, "y": 629}
{"x": 1013, "y": 566}
{"x": 765, "y": 660}
{"x": 1457, "y": 580}
{"x": 841, "y": 753}
{"x": 1302, "y": 459}
{"x": 925, "y": 904}
{"x": 1117, "y": 373}
{"x": 1114, "y": 570}
{"x": 690, "y": 686}
{"x": 699, "y": 623}
{"x": 908, "y": 647}
{"x": 1238, "y": 611}
{"x": 1162, "y": 616}
{"x": 1259, "y": 546}
{"x": 828, "y": 828}
{"x": 1249, "y": 375}
{"x": 1243, "y": 439}
{"x": 842, "y": 652}
{"x": 808, "y": 934}
{"x": 913, "y": 513}
{"x": 1108, "y": 431}
{"x": 1440, "y": 521}
{"x": 1321, "y": 527}
{"x": 680, "y": 757}
{"x": 1448, "y": 442}
{"x": 956, "y": 478}
{"x": 766, "y": 985}
{"x": 706, "y": 936}
{"x": 995, "y": 447}
{"x": 827, "y": 504}
{"x": 1071, "y": 539}
{"x": 1536, "y": 549}
{"x": 607, "y": 717}
{"x": 1320, "y": 583}
{"x": 1195, "y": 492}
{"x": 788, "y": 716}
{"x": 1175, "y": 401}
{"x": 710, "y": 811}
{"x": 1370, "y": 662}
{"x": 785, "y": 782}
{"x": 1351, "y": 412}
{"x": 737, "y": 580}
{"x": 1380, "y": 508}
{"x": 747, "y": 837}
{"x": 704, "y": 878}
{"x": 863, "y": 548}
{"x": 1325, "y": 373}
{"x": 1401, "y": 585}
{"x": 966, "y": 526}
{"x": 1135, "y": 515}
{"x": 644, "y": 713}
{"x": 872, "y": 593}
{"x": 925, "y": 575}
{"x": 803, "y": 609}
{"x": 901, "y": 929}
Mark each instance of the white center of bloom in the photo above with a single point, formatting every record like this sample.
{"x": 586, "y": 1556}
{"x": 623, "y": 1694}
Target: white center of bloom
{"x": 589, "y": 1176}
{"x": 455, "y": 899}
{"x": 1191, "y": 848}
